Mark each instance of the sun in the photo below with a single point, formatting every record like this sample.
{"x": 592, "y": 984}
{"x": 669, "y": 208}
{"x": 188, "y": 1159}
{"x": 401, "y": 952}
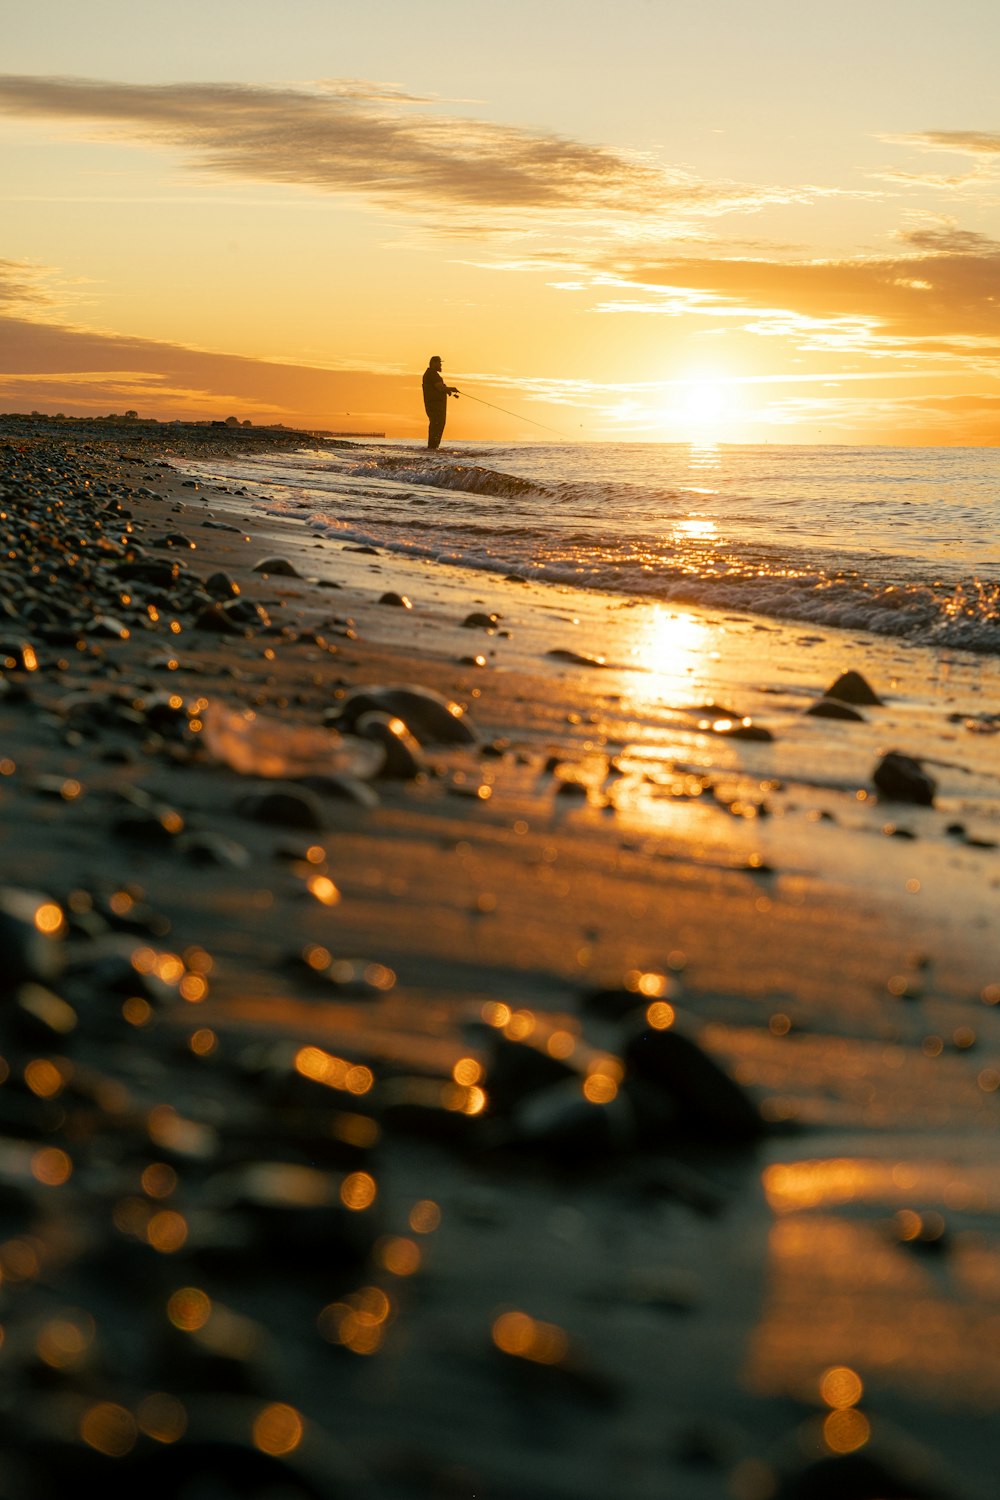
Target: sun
{"x": 704, "y": 402}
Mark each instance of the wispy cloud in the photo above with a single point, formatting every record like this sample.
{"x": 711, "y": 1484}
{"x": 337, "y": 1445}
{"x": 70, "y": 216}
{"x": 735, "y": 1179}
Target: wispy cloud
{"x": 376, "y": 141}
{"x": 938, "y": 294}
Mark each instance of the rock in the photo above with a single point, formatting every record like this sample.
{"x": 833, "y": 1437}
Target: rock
{"x": 576, "y": 658}
{"x": 833, "y": 708}
{"x": 221, "y": 586}
{"x": 279, "y": 566}
{"x": 403, "y": 757}
{"x": 399, "y": 600}
{"x": 673, "y": 1058}
{"x": 31, "y": 931}
{"x": 563, "y": 1122}
{"x": 341, "y": 786}
{"x": 900, "y": 778}
{"x": 213, "y": 849}
{"x": 289, "y": 807}
{"x": 480, "y": 621}
{"x": 429, "y": 717}
{"x": 215, "y": 619}
{"x": 851, "y": 687}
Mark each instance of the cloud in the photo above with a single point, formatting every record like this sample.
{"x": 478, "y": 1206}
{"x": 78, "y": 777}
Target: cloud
{"x": 366, "y": 139}
{"x": 982, "y": 143}
{"x": 940, "y": 294}
{"x": 22, "y": 286}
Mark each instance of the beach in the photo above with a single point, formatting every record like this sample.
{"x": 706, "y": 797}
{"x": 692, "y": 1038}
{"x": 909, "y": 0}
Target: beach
{"x": 581, "y": 1081}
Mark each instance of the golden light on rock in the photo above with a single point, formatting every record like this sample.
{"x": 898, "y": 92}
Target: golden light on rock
{"x": 323, "y": 888}
{"x": 159, "y": 1180}
{"x": 44, "y": 1078}
{"x": 317, "y": 957}
{"x": 495, "y": 1013}
{"x": 520, "y": 1025}
{"x": 51, "y": 1166}
{"x": 841, "y": 1387}
{"x": 358, "y": 1323}
{"x": 189, "y": 1309}
{"x": 167, "y": 1231}
{"x": 358, "y": 1191}
{"x": 425, "y": 1216}
{"x": 333, "y": 1072}
{"x": 162, "y": 1417}
{"x": 561, "y": 1044}
{"x": 661, "y": 1015}
{"x": 846, "y": 1431}
{"x": 277, "y": 1429}
{"x": 110, "y": 1429}
{"x": 49, "y": 917}
{"x": 398, "y": 1255}
{"x": 467, "y": 1071}
{"x": 524, "y": 1337}
{"x": 599, "y": 1088}
{"x": 63, "y": 1342}
{"x": 19, "y": 1260}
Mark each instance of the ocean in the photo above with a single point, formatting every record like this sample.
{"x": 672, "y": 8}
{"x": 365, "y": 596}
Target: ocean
{"x": 900, "y": 542}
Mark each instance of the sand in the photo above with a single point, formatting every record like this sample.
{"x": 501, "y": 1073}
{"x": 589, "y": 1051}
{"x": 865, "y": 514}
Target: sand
{"x": 579, "y": 1273}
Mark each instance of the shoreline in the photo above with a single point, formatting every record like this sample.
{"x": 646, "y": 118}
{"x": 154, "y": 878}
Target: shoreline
{"x": 593, "y": 840}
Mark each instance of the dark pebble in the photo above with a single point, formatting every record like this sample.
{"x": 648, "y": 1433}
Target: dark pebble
{"x": 288, "y": 807}
{"x": 851, "y": 687}
{"x": 900, "y": 778}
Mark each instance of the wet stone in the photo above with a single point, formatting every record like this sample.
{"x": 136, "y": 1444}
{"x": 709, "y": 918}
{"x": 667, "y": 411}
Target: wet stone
{"x": 288, "y": 807}
{"x": 900, "y": 778}
{"x": 851, "y": 687}
{"x": 709, "y": 1100}
{"x": 279, "y": 566}
{"x": 215, "y": 619}
{"x": 213, "y": 849}
{"x": 31, "y": 929}
{"x": 479, "y": 620}
{"x": 833, "y": 708}
{"x": 341, "y": 787}
{"x": 399, "y": 601}
{"x": 403, "y": 757}
{"x": 429, "y": 717}
{"x": 561, "y": 1121}
{"x": 221, "y": 586}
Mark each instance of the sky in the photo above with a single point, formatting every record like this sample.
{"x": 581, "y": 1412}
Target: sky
{"x": 666, "y": 220}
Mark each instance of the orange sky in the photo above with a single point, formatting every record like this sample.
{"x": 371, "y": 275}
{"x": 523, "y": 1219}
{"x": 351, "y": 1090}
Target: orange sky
{"x": 742, "y": 223}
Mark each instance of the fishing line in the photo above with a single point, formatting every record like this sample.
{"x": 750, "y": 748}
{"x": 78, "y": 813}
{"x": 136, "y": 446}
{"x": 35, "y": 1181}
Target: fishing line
{"x": 514, "y": 414}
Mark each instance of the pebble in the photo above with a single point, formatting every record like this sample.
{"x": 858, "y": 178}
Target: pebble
{"x": 400, "y": 601}
{"x": 900, "y": 778}
{"x": 31, "y": 929}
{"x": 833, "y": 708}
{"x": 288, "y": 807}
{"x": 674, "y": 1059}
{"x": 851, "y": 687}
{"x": 279, "y": 566}
{"x": 403, "y": 756}
{"x": 429, "y": 717}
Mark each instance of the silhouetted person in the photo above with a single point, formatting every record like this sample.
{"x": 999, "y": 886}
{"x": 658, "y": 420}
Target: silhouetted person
{"x": 436, "y": 395}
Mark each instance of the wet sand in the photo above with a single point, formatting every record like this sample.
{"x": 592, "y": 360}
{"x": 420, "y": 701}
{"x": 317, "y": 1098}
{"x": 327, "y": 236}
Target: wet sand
{"x": 552, "y": 1121}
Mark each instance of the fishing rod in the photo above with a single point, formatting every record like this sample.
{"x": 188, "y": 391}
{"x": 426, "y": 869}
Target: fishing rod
{"x": 514, "y": 414}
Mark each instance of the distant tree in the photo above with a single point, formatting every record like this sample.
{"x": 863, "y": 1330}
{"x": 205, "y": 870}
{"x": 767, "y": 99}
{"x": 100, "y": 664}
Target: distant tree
{"x": 248, "y": 423}
{"x": 232, "y": 421}
{"x": 131, "y": 416}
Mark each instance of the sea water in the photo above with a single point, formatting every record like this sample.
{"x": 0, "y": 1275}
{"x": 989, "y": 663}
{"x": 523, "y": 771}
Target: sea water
{"x": 901, "y": 542}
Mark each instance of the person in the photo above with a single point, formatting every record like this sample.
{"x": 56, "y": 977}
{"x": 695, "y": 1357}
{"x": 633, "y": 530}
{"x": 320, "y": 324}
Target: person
{"x": 436, "y": 395}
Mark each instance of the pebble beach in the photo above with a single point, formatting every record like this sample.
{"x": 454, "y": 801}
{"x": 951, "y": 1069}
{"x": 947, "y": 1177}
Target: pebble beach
{"x": 467, "y": 1038}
